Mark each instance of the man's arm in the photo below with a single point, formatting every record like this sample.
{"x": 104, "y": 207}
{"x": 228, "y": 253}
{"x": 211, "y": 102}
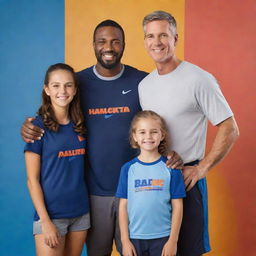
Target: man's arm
{"x": 226, "y": 136}
{"x": 30, "y": 132}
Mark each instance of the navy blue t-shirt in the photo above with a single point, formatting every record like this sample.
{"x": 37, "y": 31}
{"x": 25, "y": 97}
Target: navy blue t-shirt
{"x": 109, "y": 106}
{"x": 62, "y": 171}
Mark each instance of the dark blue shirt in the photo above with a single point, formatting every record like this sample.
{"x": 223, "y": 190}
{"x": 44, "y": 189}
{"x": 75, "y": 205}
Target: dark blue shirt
{"x": 109, "y": 106}
{"x": 62, "y": 171}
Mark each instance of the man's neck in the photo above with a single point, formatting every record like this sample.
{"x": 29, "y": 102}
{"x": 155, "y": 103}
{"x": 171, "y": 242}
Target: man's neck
{"x": 108, "y": 72}
{"x": 167, "y": 67}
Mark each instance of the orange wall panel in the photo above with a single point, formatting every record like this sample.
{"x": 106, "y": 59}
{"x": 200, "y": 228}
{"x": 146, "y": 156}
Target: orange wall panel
{"x": 220, "y": 37}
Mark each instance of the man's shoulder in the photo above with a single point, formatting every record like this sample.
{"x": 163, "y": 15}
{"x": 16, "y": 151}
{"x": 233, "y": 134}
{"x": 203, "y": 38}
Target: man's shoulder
{"x": 195, "y": 70}
{"x": 148, "y": 78}
{"x": 129, "y": 70}
{"x": 85, "y": 72}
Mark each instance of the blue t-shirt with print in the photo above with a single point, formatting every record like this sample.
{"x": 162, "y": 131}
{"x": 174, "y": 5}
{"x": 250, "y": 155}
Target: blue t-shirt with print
{"x": 62, "y": 171}
{"x": 109, "y": 104}
{"x": 149, "y": 187}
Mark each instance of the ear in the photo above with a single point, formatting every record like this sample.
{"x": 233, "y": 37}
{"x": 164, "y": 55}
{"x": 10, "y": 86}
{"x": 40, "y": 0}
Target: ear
{"x": 134, "y": 137}
{"x": 176, "y": 39}
{"x": 46, "y": 89}
{"x": 75, "y": 92}
{"x": 163, "y": 136}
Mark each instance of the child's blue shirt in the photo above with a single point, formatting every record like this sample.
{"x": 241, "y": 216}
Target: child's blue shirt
{"x": 149, "y": 187}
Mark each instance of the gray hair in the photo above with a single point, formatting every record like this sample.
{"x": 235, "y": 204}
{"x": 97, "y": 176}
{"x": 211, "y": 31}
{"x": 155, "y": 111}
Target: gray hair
{"x": 161, "y": 15}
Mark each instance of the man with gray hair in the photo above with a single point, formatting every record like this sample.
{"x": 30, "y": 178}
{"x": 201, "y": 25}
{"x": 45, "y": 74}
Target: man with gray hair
{"x": 187, "y": 97}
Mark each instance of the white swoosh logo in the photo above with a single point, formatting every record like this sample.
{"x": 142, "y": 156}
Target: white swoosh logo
{"x": 125, "y": 92}
{"x": 107, "y": 116}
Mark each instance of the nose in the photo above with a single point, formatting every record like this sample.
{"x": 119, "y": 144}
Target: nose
{"x": 108, "y": 46}
{"x": 148, "y": 135}
{"x": 63, "y": 89}
{"x": 157, "y": 40}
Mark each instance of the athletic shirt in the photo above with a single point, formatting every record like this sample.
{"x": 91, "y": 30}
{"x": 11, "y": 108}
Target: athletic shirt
{"x": 109, "y": 105}
{"x": 149, "y": 187}
{"x": 62, "y": 171}
{"x": 186, "y": 98}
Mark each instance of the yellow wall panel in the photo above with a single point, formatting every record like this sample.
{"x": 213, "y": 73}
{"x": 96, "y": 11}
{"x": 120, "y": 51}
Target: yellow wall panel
{"x": 81, "y": 17}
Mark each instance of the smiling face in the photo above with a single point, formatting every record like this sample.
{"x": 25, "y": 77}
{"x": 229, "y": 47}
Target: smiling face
{"x": 159, "y": 41}
{"x": 148, "y": 134}
{"x": 60, "y": 88}
{"x": 108, "y": 46}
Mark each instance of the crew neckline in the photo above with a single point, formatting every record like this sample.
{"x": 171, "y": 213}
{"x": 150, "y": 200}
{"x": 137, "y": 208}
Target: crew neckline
{"x": 150, "y": 163}
{"x": 106, "y": 78}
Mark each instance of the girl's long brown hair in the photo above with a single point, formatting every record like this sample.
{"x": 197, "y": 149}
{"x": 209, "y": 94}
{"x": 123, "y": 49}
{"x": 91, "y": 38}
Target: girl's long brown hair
{"x": 163, "y": 147}
{"x": 75, "y": 113}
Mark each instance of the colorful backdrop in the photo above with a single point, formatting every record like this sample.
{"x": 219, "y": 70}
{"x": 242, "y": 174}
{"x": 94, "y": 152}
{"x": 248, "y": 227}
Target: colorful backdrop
{"x": 217, "y": 35}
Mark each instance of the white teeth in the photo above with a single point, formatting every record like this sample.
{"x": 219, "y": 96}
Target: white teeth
{"x": 157, "y": 50}
{"x": 108, "y": 56}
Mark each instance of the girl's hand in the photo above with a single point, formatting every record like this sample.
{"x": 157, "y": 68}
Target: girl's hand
{"x": 51, "y": 234}
{"x": 170, "y": 249}
{"x": 128, "y": 249}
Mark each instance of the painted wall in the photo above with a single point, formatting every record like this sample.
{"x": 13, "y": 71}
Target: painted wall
{"x": 31, "y": 38}
{"x": 217, "y": 35}
{"x": 220, "y": 37}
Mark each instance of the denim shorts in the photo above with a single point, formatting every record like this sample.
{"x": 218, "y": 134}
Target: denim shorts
{"x": 65, "y": 225}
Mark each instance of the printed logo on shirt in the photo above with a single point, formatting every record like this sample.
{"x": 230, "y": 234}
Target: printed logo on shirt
{"x": 108, "y": 116}
{"x": 80, "y": 138}
{"x": 125, "y": 92}
{"x": 74, "y": 152}
{"x": 148, "y": 185}
{"x": 108, "y": 112}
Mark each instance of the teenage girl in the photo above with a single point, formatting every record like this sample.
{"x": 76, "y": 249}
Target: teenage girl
{"x": 150, "y": 209}
{"x": 55, "y": 168}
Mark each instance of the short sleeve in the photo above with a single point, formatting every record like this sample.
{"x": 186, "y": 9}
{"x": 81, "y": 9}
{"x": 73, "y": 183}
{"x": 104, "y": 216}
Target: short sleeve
{"x": 123, "y": 182}
{"x": 36, "y": 146}
{"x": 211, "y": 100}
{"x": 177, "y": 184}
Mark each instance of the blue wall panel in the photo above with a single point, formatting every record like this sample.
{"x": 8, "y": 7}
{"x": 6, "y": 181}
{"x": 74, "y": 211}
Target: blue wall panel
{"x": 31, "y": 38}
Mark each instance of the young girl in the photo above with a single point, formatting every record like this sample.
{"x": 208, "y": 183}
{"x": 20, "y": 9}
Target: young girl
{"x": 55, "y": 168}
{"x": 150, "y": 209}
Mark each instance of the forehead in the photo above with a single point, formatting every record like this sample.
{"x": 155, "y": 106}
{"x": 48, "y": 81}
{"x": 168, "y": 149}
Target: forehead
{"x": 151, "y": 123}
{"x": 108, "y": 32}
{"x": 157, "y": 26}
{"x": 60, "y": 75}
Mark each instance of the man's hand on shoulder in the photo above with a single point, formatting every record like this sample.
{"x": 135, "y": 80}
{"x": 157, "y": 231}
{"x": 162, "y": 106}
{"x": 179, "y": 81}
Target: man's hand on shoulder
{"x": 174, "y": 161}
{"x": 30, "y": 132}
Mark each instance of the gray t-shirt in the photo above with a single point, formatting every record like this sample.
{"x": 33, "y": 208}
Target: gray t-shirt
{"x": 186, "y": 98}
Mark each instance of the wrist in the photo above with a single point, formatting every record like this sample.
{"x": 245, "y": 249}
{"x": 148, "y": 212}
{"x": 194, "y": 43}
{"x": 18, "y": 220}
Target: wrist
{"x": 203, "y": 168}
{"x": 125, "y": 240}
{"x": 45, "y": 220}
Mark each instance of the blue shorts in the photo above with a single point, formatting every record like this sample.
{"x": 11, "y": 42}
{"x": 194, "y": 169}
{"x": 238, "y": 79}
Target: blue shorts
{"x": 194, "y": 236}
{"x": 148, "y": 247}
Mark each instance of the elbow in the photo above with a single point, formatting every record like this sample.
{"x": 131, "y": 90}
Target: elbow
{"x": 235, "y": 132}
{"x": 32, "y": 183}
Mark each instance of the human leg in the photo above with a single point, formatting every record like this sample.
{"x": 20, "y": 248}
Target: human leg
{"x": 117, "y": 234}
{"x": 74, "y": 243}
{"x": 155, "y": 246}
{"x": 101, "y": 233}
{"x": 76, "y": 236}
{"x": 191, "y": 233}
{"x": 140, "y": 247}
{"x": 42, "y": 249}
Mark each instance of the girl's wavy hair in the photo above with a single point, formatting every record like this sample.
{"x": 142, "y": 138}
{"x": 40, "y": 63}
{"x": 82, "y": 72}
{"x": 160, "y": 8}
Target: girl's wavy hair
{"x": 163, "y": 147}
{"x": 75, "y": 113}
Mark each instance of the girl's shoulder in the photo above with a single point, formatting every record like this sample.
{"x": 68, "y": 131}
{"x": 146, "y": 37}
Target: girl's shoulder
{"x": 38, "y": 121}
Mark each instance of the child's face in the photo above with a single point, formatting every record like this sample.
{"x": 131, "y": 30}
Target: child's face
{"x": 148, "y": 134}
{"x": 61, "y": 88}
